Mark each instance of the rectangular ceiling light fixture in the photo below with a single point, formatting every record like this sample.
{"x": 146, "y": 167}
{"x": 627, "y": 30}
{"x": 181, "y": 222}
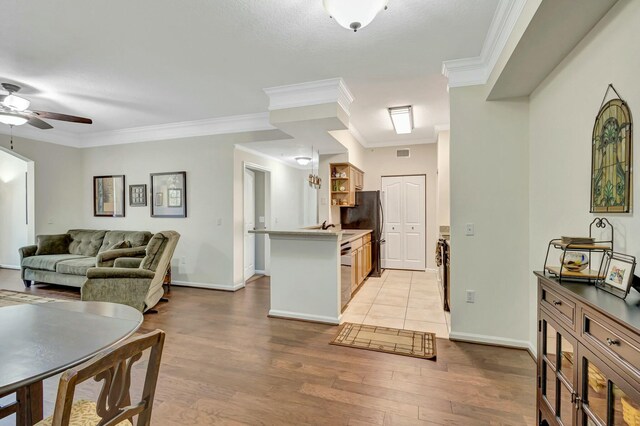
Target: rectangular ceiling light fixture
{"x": 402, "y": 119}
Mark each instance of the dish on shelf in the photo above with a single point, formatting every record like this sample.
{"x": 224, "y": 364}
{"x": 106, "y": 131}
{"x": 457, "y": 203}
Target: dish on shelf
{"x": 574, "y": 260}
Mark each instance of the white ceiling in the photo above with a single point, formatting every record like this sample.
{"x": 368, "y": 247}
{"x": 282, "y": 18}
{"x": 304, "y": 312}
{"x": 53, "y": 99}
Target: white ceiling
{"x": 138, "y": 63}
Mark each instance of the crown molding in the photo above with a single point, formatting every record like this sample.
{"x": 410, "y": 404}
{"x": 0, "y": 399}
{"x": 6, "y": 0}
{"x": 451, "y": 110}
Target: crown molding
{"x": 185, "y": 129}
{"x": 476, "y": 70}
{"x": 310, "y": 93}
{"x": 55, "y": 136}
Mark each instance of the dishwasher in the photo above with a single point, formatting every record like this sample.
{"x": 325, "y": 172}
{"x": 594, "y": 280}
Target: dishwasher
{"x": 345, "y": 274}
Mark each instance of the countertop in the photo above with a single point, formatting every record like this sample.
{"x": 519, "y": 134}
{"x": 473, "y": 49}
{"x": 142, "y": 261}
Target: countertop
{"x": 344, "y": 236}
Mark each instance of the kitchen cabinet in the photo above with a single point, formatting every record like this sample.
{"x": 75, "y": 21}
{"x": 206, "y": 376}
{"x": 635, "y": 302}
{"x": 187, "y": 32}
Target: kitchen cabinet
{"x": 346, "y": 179}
{"x": 588, "y": 356}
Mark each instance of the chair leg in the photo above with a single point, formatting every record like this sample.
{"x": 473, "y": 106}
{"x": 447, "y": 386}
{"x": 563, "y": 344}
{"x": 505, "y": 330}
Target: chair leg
{"x": 164, "y": 299}
{"x": 27, "y": 283}
{"x": 151, "y": 311}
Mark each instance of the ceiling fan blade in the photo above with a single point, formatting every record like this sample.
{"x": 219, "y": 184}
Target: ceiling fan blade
{"x": 36, "y": 122}
{"x": 63, "y": 117}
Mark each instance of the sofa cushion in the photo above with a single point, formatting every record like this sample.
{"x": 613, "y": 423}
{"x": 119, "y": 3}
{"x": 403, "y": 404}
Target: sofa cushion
{"x": 85, "y": 242}
{"x": 136, "y": 238}
{"x": 53, "y": 244}
{"x": 47, "y": 262}
{"x": 76, "y": 266}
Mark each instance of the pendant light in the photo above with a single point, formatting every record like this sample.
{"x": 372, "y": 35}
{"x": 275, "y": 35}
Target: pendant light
{"x": 354, "y": 14}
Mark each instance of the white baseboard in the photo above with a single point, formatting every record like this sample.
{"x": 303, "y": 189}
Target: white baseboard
{"x": 10, "y": 267}
{"x": 224, "y": 287}
{"x": 305, "y": 317}
{"x": 260, "y": 272}
{"x": 491, "y": 340}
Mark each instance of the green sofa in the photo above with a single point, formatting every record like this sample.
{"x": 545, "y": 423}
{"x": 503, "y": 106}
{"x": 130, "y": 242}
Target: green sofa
{"x": 65, "y": 259}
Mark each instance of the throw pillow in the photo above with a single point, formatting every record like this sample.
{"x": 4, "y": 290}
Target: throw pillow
{"x": 119, "y": 245}
{"x": 53, "y": 244}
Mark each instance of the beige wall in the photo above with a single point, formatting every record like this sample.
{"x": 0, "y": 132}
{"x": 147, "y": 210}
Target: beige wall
{"x": 380, "y": 162}
{"x": 489, "y": 188}
{"x": 563, "y": 109}
{"x": 444, "y": 198}
{"x": 206, "y": 242}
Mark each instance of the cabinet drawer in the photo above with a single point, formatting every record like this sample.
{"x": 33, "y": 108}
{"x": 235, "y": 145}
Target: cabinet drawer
{"x": 559, "y": 305}
{"x": 366, "y": 238}
{"x": 612, "y": 340}
{"x": 356, "y": 244}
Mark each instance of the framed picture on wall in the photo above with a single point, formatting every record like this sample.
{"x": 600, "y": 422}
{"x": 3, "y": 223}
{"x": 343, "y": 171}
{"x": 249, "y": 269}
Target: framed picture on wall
{"x": 138, "y": 195}
{"x": 169, "y": 194}
{"x": 108, "y": 196}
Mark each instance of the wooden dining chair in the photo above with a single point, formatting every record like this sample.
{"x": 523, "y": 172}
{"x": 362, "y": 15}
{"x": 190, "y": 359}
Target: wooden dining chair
{"x": 113, "y": 367}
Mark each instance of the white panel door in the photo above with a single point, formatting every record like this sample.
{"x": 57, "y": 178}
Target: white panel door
{"x": 413, "y": 210}
{"x": 249, "y": 224}
{"x": 392, "y": 252}
{"x": 404, "y": 227}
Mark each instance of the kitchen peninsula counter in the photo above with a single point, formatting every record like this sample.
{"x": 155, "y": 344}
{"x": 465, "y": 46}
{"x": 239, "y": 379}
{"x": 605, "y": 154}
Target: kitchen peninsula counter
{"x": 306, "y": 274}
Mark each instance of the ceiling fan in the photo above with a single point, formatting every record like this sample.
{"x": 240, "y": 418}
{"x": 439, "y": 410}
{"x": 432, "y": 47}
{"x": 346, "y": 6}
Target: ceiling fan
{"x": 14, "y": 111}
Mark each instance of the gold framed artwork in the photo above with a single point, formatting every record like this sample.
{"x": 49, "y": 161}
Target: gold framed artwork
{"x": 611, "y": 157}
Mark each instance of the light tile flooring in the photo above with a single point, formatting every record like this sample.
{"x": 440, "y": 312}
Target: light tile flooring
{"x": 400, "y": 299}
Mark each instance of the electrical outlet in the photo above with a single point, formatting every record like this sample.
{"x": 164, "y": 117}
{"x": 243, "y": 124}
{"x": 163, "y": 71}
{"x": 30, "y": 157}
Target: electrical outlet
{"x": 219, "y": 221}
{"x": 183, "y": 260}
{"x": 469, "y": 229}
{"x": 471, "y": 296}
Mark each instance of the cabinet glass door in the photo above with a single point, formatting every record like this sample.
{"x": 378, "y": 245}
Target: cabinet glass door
{"x": 559, "y": 372}
{"x": 607, "y": 399}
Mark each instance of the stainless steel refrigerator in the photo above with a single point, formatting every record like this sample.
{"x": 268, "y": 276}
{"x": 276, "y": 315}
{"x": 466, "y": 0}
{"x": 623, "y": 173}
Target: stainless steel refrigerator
{"x": 367, "y": 214}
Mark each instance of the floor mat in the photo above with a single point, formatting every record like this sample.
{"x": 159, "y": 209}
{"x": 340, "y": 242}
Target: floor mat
{"x": 390, "y": 340}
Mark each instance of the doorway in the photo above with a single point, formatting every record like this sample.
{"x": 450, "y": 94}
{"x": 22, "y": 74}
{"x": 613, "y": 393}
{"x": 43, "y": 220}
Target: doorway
{"x": 17, "y": 219}
{"x": 256, "y": 215}
{"x": 403, "y": 199}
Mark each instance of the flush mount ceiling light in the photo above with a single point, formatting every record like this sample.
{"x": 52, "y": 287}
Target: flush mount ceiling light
{"x": 303, "y": 161}
{"x": 12, "y": 120}
{"x": 402, "y": 119}
{"x": 354, "y": 14}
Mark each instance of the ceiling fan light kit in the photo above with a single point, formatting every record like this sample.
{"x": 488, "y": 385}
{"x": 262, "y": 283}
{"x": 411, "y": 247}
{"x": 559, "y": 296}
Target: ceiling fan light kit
{"x": 12, "y": 119}
{"x": 16, "y": 102}
{"x": 354, "y": 14}
{"x": 14, "y": 112}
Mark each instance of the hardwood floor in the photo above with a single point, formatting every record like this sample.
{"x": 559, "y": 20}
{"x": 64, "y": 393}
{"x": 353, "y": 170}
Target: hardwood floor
{"x": 225, "y": 362}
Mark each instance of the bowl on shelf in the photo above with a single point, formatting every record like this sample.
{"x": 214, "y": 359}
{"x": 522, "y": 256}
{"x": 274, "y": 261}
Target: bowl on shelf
{"x": 574, "y": 261}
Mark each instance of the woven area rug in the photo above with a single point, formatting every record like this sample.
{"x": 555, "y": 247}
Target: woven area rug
{"x": 10, "y": 298}
{"x": 390, "y": 340}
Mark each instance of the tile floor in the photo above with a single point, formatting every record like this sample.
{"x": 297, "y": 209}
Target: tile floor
{"x": 400, "y": 299}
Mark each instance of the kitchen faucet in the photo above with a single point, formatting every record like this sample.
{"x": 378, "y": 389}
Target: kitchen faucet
{"x": 324, "y": 226}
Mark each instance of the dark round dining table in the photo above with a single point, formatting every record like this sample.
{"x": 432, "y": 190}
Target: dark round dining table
{"x": 38, "y": 341}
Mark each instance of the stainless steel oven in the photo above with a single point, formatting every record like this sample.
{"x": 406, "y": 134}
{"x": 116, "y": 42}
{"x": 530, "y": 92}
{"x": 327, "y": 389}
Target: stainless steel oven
{"x": 345, "y": 274}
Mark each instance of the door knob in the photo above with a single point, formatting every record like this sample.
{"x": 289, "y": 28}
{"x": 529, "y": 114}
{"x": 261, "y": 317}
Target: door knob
{"x": 612, "y": 342}
{"x": 412, "y": 227}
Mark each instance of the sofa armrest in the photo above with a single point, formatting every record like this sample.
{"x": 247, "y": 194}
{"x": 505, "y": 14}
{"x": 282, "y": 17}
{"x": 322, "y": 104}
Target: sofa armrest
{"x": 107, "y": 258}
{"x": 128, "y": 262}
{"x": 27, "y": 251}
{"x": 116, "y": 273}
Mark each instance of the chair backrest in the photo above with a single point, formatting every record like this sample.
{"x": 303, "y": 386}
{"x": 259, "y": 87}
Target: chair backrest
{"x": 114, "y": 368}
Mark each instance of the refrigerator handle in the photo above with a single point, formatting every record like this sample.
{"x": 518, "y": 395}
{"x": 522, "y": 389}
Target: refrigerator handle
{"x": 382, "y": 240}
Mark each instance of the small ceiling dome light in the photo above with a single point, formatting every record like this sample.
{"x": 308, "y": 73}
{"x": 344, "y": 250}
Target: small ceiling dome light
{"x": 402, "y": 119}
{"x": 354, "y": 14}
{"x": 11, "y": 119}
{"x": 16, "y": 103}
{"x": 303, "y": 161}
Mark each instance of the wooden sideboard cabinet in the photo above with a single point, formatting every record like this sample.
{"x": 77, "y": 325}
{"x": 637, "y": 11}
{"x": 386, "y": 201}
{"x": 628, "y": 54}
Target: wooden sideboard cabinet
{"x": 588, "y": 355}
